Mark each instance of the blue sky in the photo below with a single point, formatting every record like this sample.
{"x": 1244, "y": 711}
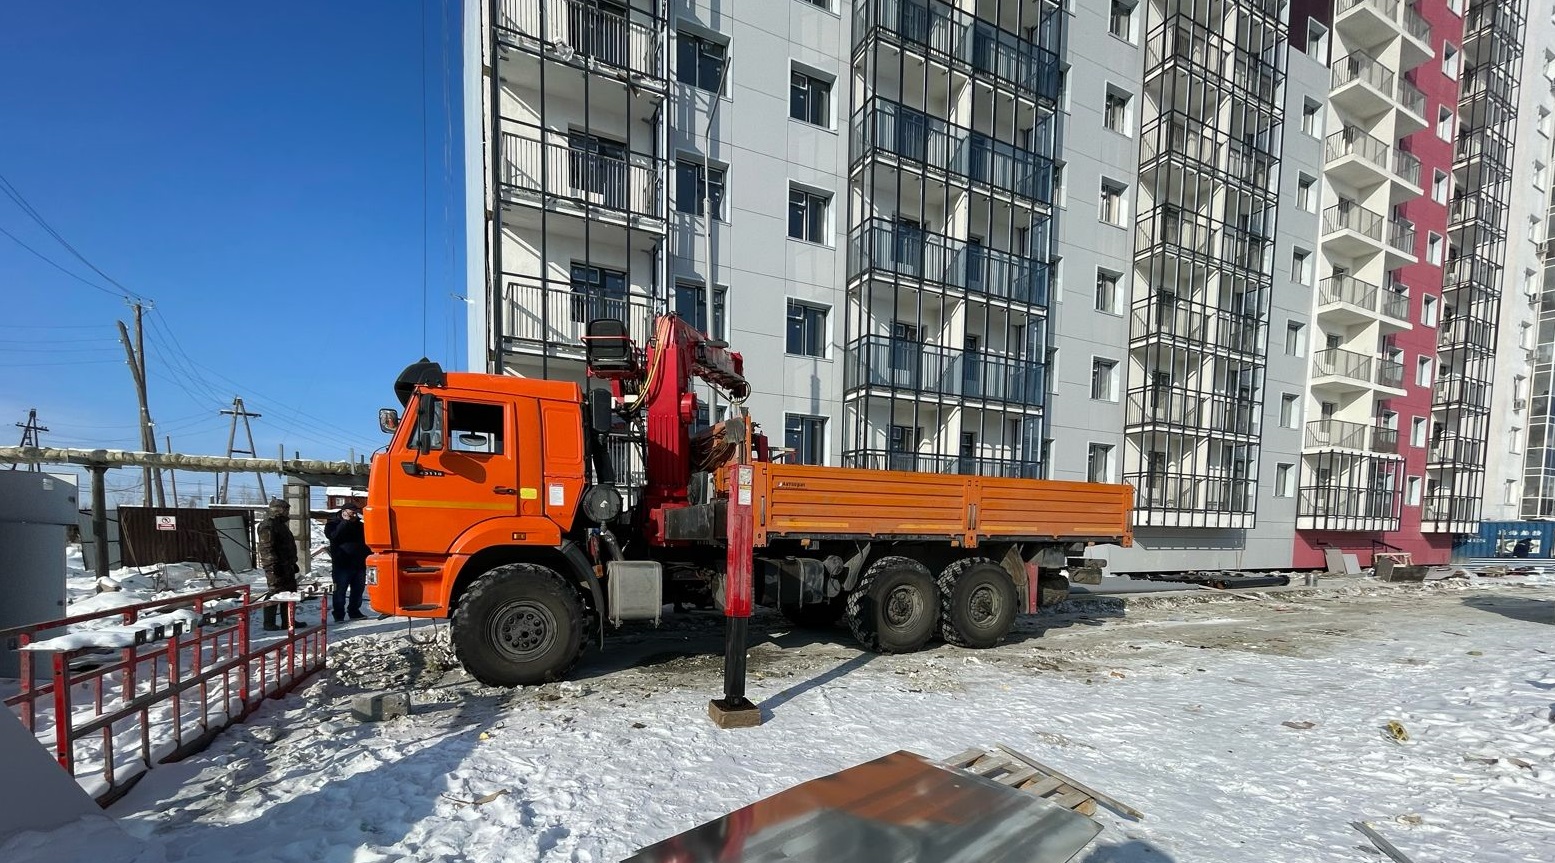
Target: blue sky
{"x": 256, "y": 171}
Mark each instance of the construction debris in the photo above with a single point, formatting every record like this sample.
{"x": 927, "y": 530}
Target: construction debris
{"x": 1382, "y": 844}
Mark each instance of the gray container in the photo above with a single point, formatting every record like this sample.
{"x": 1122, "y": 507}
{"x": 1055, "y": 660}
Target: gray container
{"x": 35, "y": 511}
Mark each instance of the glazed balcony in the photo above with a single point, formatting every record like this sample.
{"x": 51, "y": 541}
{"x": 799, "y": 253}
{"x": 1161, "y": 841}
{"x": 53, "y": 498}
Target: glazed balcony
{"x": 588, "y": 33}
{"x": 966, "y": 465}
{"x": 883, "y": 364}
{"x": 887, "y": 248}
{"x": 891, "y": 132}
{"x": 955, "y": 37}
{"x": 1347, "y": 508}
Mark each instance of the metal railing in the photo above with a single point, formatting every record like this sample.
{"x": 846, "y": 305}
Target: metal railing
{"x": 1460, "y": 391}
{"x": 1474, "y": 271}
{"x": 1360, "y": 66}
{"x": 1492, "y": 81}
{"x": 1416, "y": 25}
{"x": 1165, "y": 490}
{"x": 1407, "y": 166}
{"x": 1384, "y": 440}
{"x": 954, "y": 35}
{"x": 1337, "y": 362}
{"x": 1386, "y": 8}
{"x": 966, "y": 465}
{"x": 1401, "y": 235}
{"x": 1343, "y": 502}
{"x": 1390, "y": 373}
{"x": 555, "y": 313}
{"x": 882, "y": 362}
{"x": 1192, "y": 409}
{"x": 1477, "y": 206}
{"x": 588, "y": 31}
{"x": 891, "y": 247}
{"x": 1351, "y": 141}
{"x": 1456, "y": 449}
{"x": 1455, "y": 509}
{"x": 1395, "y": 303}
{"x": 1336, "y": 433}
{"x": 1411, "y": 97}
{"x": 1166, "y": 316}
{"x": 543, "y": 162}
{"x": 1466, "y": 330}
{"x": 1353, "y": 217}
{"x": 1347, "y": 289}
{"x": 910, "y": 134}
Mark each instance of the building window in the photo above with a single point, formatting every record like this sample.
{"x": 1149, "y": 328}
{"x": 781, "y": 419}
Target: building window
{"x": 1451, "y": 60}
{"x": 1530, "y": 284}
{"x": 691, "y": 189}
{"x": 1433, "y": 249}
{"x": 1311, "y": 121}
{"x": 1545, "y": 126}
{"x": 1525, "y": 336}
{"x": 1514, "y": 440}
{"x": 691, "y": 305}
{"x": 1284, "y": 480}
{"x": 1106, "y": 292}
{"x": 1301, "y": 266}
{"x": 819, "y": 4}
{"x": 1055, "y": 278}
{"x": 1509, "y": 494}
{"x": 1423, "y": 372}
{"x": 1455, "y": 7}
{"x": 1058, "y": 184}
{"x": 1533, "y": 229}
{"x": 1428, "y": 310}
{"x": 700, "y": 61}
{"x": 597, "y": 293}
{"x": 1295, "y": 339}
{"x": 1063, "y": 89}
{"x": 805, "y": 438}
{"x": 1444, "y": 123}
{"x": 1104, "y": 379}
{"x": 1306, "y": 198}
{"x": 807, "y": 215}
{"x": 597, "y": 166}
{"x": 1417, "y": 432}
{"x": 1115, "y": 113}
{"x": 1317, "y": 41}
{"x": 1440, "y": 187}
{"x": 1098, "y": 463}
{"x": 1412, "y": 491}
{"x": 806, "y": 329}
{"x": 1121, "y": 22}
{"x": 1519, "y": 388}
{"x": 809, "y": 99}
{"x": 1112, "y": 204}
{"x": 1290, "y": 411}
{"x": 1541, "y": 176}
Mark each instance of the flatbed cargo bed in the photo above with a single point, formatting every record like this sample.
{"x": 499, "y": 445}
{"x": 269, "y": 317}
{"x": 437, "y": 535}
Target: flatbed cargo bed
{"x": 809, "y": 502}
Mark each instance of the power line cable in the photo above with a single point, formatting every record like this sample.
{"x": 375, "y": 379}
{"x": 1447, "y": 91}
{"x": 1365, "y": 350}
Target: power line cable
{"x": 50, "y": 261}
{"x": 15, "y": 195}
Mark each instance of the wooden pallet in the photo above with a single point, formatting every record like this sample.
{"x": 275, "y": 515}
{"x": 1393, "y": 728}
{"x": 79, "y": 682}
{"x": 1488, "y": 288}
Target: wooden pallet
{"x": 1006, "y": 768}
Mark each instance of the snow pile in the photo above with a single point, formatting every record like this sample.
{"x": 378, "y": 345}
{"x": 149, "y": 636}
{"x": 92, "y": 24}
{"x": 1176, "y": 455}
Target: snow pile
{"x": 144, "y": 628}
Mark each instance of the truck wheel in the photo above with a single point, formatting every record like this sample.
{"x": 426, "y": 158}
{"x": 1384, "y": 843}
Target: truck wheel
{"x": 979, "y": 601}
{"x": 1052, "y": 589}
{"x": 518, "y": 624}
{"x": 895, "y": 607}
{"x": 816, "y": 615}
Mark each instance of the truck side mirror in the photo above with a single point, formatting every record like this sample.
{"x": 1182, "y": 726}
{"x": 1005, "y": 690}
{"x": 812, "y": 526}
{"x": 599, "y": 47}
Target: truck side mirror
{"x": 601, "y": 417}
{"x": 388, "y": 420}
{"x": 426, "y": 422}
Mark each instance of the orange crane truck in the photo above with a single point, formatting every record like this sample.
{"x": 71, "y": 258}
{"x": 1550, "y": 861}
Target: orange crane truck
{"x": 498, "y": 504}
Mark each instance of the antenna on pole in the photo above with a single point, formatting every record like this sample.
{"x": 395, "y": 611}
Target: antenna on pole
{"x": 30, "y": 430}
{"x": 238, "y": 412}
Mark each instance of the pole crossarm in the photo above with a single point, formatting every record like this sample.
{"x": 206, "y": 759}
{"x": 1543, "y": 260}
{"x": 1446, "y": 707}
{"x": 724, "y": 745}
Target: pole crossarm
{"x": 311, "y": 471}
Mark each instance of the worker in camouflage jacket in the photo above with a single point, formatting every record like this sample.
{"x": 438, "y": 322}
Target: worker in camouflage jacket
{"x": 278, "y": 558}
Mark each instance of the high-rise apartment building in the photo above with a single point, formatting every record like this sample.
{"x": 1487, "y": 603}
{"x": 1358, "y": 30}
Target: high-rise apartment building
{"x": 1243, "y": 255}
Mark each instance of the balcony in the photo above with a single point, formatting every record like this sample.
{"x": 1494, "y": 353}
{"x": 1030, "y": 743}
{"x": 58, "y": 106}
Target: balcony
{"x": 1390, "y": 374}
{"x": 1366, "y": 22}
{"x": 966, "y": 465}
{"x": 1362, "y": 86}
{"x": 1416, "y": 47}
{"x": 1346, "y": 369}
{"x": 581, "y": 32}
{"x": 1402, "y": 237}
{"x": 581, "y": 175}
{"x": 1352, "y": 230}
{"x": 1191, "y": 412}
{"x": 1395, "y": 304}
{"x": 1347, "y": 508}
{"x": 551, "y": 317}
{"x": 886, "y": 248}
{"x": 957, "y": 38}
{"x": 1452, "y": 449}
{"x": 1456, "y": 392}
{"x": 931, "y": 145}
{"x": 1466, "y": 331}
{"x": 882, "y": 363}
{"x": 1406, "y": 166}
{"x": 1170, "y": 499}
{"x": 1165, "y": 318}
{"x": 1348, "y": 300}
{"x": 1413, "y": 100}
{"x": 1478, "y": 210}
{"x": 1445, "y": 513}
{"x": 1355, "y": 158}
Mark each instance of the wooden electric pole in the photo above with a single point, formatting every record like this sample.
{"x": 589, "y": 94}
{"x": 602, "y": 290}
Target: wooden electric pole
{"x": 148, "y": 441}
{"x": 172, "y": 475}
{"x": 30, "y": 437}
{"x": 239, "y": 412}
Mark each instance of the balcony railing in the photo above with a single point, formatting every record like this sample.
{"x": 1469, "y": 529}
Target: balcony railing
{"x": 1411, "y": 97}
{"x": 1452, "y": 509}
{"x": 1351, "y": 141}
{"x": 1340, "y": 434}
{"x": 1386, "y": 8}
{"x": 1390, "y": 374}
{"x": 1455, "y": 449}
{"x": 591, "y": 32}
{"x": 1459, "y": 391}
{"x": 1161, "y": 490}
{"x": 1407, "y": 166}
{"x": 1353, "y": 217}
{"x": 1340, "y": 363}
{"x": 1477, "y": 206}
{"x": 1395, "y": 303}
{"x": 1416, "y": 25}
{"x": 1347, "y": 289}
{"x": 1165, "y": 316}
{"x": 1474, "y": 271}
{"x": 1342, "y": 502}
{"x": 966, "y": 465}
{"x": 556, "y": 314}
{"x": 1492, "y": 81}
{"x": 891, "y": 247}
{"x": 956, "y": 36}
{"x": 882, "y": 362}
{"x": 1465, "y": 330}
{"x": 610, "y": 179}
{"x": 1384, "y": 440}
{"x": 1199, "y": 412}
{"x": 1401, "y": 235}
{"x": 1359, "y": 66}
{"x": 912, "y": 135}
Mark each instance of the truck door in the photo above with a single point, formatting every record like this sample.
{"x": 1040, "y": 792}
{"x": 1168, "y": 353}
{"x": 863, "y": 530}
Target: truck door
{"x": 470, "y": 475}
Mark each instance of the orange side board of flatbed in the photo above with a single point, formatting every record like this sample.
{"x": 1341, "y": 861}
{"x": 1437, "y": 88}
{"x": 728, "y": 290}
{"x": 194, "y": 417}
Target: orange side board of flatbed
{"x": 808, "y": 502}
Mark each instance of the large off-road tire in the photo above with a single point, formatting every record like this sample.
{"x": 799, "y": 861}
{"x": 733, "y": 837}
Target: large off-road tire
{"x": 517, "y": 625}
{"x": 978, "y": 603}
{"x": 895, "y": 607}
{"x": 816, "y": 615}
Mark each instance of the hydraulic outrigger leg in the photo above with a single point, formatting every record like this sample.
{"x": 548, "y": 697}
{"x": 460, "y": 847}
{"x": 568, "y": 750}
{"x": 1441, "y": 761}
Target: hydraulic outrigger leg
{"x": 734, "y": 710}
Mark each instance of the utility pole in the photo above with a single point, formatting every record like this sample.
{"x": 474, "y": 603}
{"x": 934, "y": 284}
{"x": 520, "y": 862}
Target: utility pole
{"x": 172, "y": 474}
{"x": 30, "y": 430}
{"x": 237, "y": 411}
{"x": 148, "y": 442}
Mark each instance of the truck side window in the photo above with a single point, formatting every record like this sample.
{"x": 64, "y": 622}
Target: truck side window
{"x": 435, "y": 435}
{"x": 474, "y": 427}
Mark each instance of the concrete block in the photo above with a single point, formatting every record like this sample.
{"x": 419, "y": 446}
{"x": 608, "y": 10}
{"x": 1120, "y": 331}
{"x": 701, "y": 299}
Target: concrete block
{"x": 380, "y": 707}
{"x": 739, "y": 713}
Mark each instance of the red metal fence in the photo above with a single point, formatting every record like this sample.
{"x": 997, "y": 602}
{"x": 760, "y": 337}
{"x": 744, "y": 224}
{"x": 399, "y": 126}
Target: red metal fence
{"x": 159, "y": 685}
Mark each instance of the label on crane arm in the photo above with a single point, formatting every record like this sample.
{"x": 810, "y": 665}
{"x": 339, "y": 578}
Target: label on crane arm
{"x": 743, "y": 480}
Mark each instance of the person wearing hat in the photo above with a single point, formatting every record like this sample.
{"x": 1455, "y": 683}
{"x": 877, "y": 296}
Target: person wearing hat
{"x": 278, "y": 558}
{"x": 348, "y": 556}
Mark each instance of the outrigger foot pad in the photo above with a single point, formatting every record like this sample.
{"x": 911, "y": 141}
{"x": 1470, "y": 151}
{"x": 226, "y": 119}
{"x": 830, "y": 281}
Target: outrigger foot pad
{"x": 734, "y": 713}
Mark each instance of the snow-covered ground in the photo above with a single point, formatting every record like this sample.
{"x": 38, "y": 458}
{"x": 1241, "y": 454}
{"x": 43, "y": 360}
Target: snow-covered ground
{"x": 1175, "y": 707}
